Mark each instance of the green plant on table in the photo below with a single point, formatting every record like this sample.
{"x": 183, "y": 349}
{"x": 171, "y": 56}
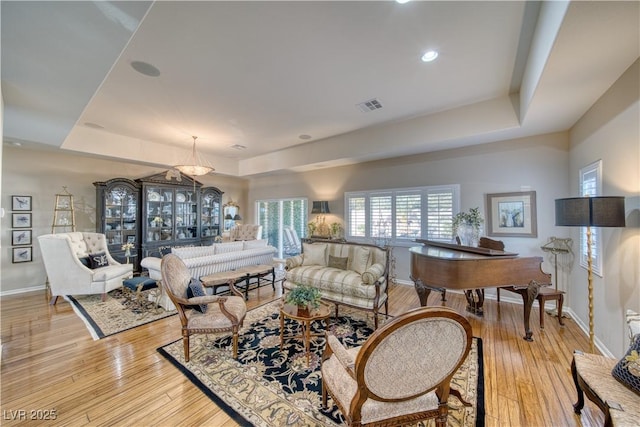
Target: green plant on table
{"x": 303, "y": 296}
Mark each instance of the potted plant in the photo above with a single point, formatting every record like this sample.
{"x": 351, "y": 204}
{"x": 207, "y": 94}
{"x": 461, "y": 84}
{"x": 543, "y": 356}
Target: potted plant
{"x": 336, "y": 230}
{"x": 303, "y": 296}
{"x": 466, "y": 226}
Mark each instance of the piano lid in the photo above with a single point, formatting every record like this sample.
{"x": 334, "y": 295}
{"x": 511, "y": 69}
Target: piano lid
{"x": 470, "y": 249}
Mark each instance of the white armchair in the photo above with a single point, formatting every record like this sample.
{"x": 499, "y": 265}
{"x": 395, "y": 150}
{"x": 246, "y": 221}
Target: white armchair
{"x": 64, "y": 254}
{"x": 245, "y": 232}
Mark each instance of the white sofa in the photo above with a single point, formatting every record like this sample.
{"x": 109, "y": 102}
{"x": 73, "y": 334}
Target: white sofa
{"x": 63, "y": 255}
{"x": 205, "y": 260}
{"x": 353, "y": 274}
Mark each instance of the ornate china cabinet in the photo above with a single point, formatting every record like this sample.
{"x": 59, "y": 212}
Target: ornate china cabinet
{"x": 210, "y": 214}
{"x": 170, "y": 212}
{"x": 117, "y": 217}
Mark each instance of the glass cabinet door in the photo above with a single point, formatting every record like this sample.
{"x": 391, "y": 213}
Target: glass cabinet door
{"x": 210, "y": 218}
{"x": 120, "y": 215}
{"x": 159, "y": 216}
{"x": 186, "y": 224}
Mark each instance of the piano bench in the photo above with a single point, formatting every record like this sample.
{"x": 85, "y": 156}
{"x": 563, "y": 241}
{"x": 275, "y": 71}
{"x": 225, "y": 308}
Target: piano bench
{"x": 544, "y": 294}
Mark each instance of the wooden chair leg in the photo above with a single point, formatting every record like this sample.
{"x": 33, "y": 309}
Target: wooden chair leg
{"x": 577, "y": 407}
{"x": 185, "y": 344}
{"x": 53, "y": 300}
{"x": 235, "y": 344}
{"x": 104, "y": 297}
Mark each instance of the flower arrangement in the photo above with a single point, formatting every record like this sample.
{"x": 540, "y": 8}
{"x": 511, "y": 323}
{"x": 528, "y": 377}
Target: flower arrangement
{"x": 156, "y": 222}
{"x": 303, "y": 296}
{"x": 470, "y": 220}
{"x": 336, "y": 229}
{"x": 127, "y": 249}
{"x": 311, "y": 227}
{"x": 218, "y": 239}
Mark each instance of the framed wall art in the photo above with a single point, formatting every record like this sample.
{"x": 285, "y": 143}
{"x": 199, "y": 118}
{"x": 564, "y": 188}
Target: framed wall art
{"x": 20, "y": 203}
{"x": 20, "y": 237}
{"x": 22, "y": 254}
{"x": 21, "y": 220}
{"x": 512, "y": 214}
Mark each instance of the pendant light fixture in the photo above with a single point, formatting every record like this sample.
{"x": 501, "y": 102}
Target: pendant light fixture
{"x": 196, "y": 165}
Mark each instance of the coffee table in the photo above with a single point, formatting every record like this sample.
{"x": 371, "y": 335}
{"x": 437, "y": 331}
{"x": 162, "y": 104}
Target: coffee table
{"x": 305, "y": 317}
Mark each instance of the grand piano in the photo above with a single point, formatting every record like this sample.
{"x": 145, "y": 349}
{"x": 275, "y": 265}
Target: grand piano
{"x": 440, "y": 266}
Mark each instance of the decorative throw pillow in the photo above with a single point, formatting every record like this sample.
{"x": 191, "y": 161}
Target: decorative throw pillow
{"x": 98, "y": 260}
{"x": 314, "y": 254}
{"x": 337, "y": 262}
{"x": 195, "y": 289}
{"x": 372, "y": 274}
{"x": 627, "y": 370}
{"x": 359, "y": 260}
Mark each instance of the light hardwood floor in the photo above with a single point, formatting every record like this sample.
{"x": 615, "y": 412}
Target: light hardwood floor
{"x": 49, "y": 361}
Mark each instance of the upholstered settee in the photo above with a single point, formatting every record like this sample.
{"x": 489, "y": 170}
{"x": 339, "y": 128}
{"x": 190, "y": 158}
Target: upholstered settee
{"x": 226, "y": 256}
{"x": 243, "y": 232}
{"x": 347, "y": 273}
{"x": 68, "y": 262}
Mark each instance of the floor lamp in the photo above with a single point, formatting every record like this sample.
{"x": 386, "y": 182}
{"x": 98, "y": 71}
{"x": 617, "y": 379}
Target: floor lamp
{"x": 590, "y": 212}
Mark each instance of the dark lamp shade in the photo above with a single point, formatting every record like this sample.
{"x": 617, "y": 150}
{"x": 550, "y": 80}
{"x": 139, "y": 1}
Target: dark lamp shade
{"x": 228, "y": 216}
{"x": 590, "y": 211}
{"x": 321, "y": 207}
{"x": 237, "y": 218}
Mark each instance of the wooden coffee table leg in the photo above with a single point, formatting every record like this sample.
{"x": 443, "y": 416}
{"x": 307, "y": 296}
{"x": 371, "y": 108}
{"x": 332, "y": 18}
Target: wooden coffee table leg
{"x": 307, "y": 338}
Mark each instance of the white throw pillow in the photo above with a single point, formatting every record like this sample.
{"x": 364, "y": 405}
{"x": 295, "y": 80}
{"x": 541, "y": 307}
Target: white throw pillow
{"x": 314, "y": 254}
{"x": 359, "y": 260}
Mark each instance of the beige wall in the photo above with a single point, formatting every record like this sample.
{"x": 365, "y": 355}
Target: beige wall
{"x": 610, "y": 131}
{"x": 529, "y": 164}
{"x": 42, "y": 173}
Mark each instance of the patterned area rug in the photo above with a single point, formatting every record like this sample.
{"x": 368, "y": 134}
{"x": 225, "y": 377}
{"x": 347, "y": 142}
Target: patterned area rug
{"x": 120, "y": 312}
{"x": 269, "y": 387}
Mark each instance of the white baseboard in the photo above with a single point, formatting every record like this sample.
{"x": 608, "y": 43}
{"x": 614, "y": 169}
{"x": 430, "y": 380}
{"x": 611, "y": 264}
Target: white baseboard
{"x": 23, "y": 290}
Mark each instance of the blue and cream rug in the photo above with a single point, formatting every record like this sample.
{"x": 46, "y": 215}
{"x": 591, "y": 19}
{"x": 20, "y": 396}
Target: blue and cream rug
{"x": 121, "y": 311}
{"x": 267, "y": 387}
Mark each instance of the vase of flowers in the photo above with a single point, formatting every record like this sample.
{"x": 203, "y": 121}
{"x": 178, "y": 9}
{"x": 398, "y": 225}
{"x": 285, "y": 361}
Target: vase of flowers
{"x": 304, "y": 297}
{"x": 467, "y": 225}
{"x": 127, "y": 249}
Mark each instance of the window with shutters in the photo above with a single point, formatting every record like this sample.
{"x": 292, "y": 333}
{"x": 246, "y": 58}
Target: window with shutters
{"x": 591, "y": 185}
{"x": 402, "y": 215}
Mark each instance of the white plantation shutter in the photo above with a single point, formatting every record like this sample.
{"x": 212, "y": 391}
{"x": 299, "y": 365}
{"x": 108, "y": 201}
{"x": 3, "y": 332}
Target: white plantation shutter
{"x": 408, "y": 215}
{"x": 402, "y": 215}
{"x": 381, "y": 216}
{"x": 439, "y": 214}
{"x": 356, "y": 213}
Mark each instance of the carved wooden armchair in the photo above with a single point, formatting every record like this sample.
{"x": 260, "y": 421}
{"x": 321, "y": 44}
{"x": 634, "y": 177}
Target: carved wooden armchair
{"x": 403, "y": 371}
{"x": 223, "y": 313}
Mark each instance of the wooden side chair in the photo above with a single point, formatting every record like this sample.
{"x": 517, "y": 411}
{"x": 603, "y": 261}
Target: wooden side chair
{"x": 402, "y": 373}
{"x": 222, "y": 313}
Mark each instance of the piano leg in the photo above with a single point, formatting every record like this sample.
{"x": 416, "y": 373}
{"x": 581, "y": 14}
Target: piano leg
{"x": 423, "y": 292}
{"x": 475, "y": 302}
{"x": 529, "y": 295}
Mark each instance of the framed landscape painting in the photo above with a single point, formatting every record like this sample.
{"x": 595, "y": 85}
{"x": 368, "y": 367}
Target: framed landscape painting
{"x": 512, "y": 214}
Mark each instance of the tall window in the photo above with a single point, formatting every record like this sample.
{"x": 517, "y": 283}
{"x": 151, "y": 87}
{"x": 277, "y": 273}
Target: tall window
{"x": 591, "y": 185}
{"x": 283, "y": 223}
{"x": 402, "y": 215}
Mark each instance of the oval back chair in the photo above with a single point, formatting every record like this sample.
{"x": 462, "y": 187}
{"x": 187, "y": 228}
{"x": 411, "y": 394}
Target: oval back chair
{"x": 403, "y": 371}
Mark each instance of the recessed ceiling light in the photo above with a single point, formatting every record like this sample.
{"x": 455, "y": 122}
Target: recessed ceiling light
{"x": 145, "y": 68}
{"x": 402, "y": 1}
{"x": 429, "y": 56}
{"x": 305, "y": 136}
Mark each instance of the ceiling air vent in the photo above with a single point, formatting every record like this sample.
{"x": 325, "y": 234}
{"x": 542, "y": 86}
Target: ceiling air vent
{"x": 370, "y": 105}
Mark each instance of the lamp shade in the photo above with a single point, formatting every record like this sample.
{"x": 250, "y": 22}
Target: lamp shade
{"x": 320, "y": 207}
{"x": 590, "y": 212}
{"x": 237, "y": 217}
{"x": 228, "y": 216}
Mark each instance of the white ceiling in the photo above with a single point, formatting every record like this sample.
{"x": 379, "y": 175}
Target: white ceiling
{"x": 260, "y": 74}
